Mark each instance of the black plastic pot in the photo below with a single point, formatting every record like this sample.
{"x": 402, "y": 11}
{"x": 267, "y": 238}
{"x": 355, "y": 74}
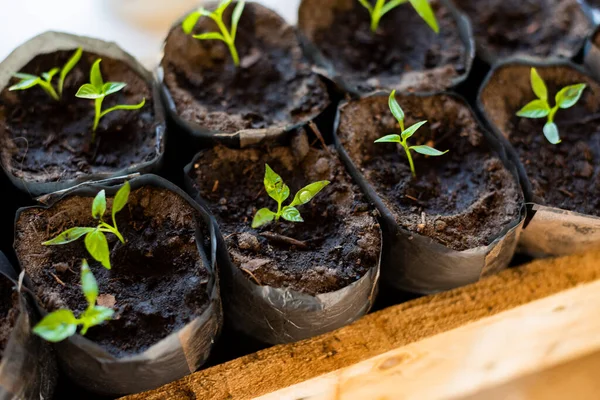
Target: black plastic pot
{"x": 51, "y": 42}
{"x": 282, "y": 315}
{"x": 28, "y": 368}
{"x": 179, "y": 354}
{"x": 413, "y": 262}
{"x": 316, "y": 14}
{"x": 549, "y": 230}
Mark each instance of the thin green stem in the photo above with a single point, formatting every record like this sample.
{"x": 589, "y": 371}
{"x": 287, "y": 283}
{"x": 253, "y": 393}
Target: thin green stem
{"x": 278, "y": 211}
{"x": 410, "y": 160}
{"x": 229, "y": 41}
{"x": 552, "y": 113}
{"x": 376, "y": 15}
{"x": 50, "y": 90}
{"x": 97, "y": 116}
{"x": 110, "y": 229}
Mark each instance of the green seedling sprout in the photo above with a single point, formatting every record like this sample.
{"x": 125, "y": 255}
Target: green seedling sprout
{"x": 226, "y": 36}
{"x": 406, "y": 133}
{"x": 45, "y": 81}
{"x": 61, "y": 324}
{"x": 382, "y": 7}
{"x": 95, "y": 240}
{"x": 97, "y": 90}
{"x": 567, "y": 97}
{"x": 279, "y": 192}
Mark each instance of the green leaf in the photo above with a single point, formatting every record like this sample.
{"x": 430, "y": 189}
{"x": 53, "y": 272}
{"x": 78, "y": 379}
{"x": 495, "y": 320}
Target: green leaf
{"x": 367, "y": 5}
{"x": 68, "y": 236}
{"x": 428, "y": 151}
{"x": 112, "y": 87}
{"x": 262, "y": 217}
{"x": 97, "y": 245}
{"x": 391, "y": 5}
{"x": 67, "y": 68}
{"x": 389, "y": 139}
{"x": 89, "y": 286}
{"x": 27, "y": 81}
{"x": 274, "y": 185}
{"x": 124, "y": 107}
{"x": 291, "y": 214}
{"x": 96, "y": 76}
{"x": 408, "y": 132}
{"x": 121, "y": 198}
{"x": 235, "y": 17}
{"x": 209, "y": 36}
{"x": 424, "y": 10}
{"x": 535, "y": 109}
{"x": 551, "y": 133}
{"x": 99, "y": 205}
{"x": 89, "y": 91}
{"x": 395, "y": 108}
{"x": 307, "y": 193}
{"x": 22, "y": 75}
{"x": 190, "y": 21}
{"x": 222, "y": 6}
{"x": 94, "y": 316}
{"x": 56, "y": 326}
{"x": 538, "y": 85}
{"x": 569, "y": 95}
{"x": 50, "y": 74}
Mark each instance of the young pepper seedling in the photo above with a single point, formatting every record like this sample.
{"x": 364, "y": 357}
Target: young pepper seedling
{"x": 95, "y": 240}
{"x": 279, "y": 192}
{"x": 61, "y": 324}
{"x": 407, "y": 133}
{"x": 45, "y": 81}
{"x": 98, "y": 90}
{"x": 382, "y": 7}
{"x": 567, "y": 97}
{"x": 225, "y": 36}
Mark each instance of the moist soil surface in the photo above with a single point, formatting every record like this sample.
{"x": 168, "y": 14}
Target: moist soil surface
{"x": 273, "y": 88}
{"x": 9, "y": 311}
{"x": 541, "y": 28}
{"x": 566, "y": 175}
{"x": 463, "y": 199}
{"x": 44, "y": 140}
{"x": 404, "y": 44}
{"x": 158, "y": 281}
{"x": 340, "y": 234}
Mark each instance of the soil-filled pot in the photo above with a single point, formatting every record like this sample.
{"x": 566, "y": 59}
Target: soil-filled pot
{"x": 543, "y": 28}
{"x": 460, "y": 218}
{"x": 27, "y": 365}
{"x": 288, "y": 281}
{"x": 163, "y": 285}
{"x": 561, "y": 181}
{"x": 47, "y": 144}
{"x": 273, "y": 90}
{"x": 404, "y": 53}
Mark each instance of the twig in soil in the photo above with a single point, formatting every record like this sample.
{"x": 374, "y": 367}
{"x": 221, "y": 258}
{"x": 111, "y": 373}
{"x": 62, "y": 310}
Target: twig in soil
{"x": 58, "y": 279}
{"x": 275, "y": 237}
{"x": 231, "y": 235}
{"x": 411, "y": 197}
{"x": 215, "y": 186}
{"x": 317, "y": 132}
{"x": 252, "y": 275}
{"x": 259, "y": 194}
{"x": 566, "y": 193}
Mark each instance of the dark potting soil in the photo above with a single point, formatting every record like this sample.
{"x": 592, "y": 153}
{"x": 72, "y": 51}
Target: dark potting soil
{"x": 396, "y": 55}
{"x": 541, "y": 28}
{"x": 339, "y": 231}
{"x": 566, "y": 175}
{"x": 463, "y": 199}
{"x": 158, "y": 281}
{"x": 43, "y": 140}
{"x": 273, "y": 88}
{"x": 9, "y": 311}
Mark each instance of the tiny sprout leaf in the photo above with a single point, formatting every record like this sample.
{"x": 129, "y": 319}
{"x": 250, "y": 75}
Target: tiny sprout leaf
{"x": 390, "y": 5}
{"x": 57, "y": 326}
{"x": 27, "y": 81}
{"x": 89, "y": 286}
{"x": 274, "y": 185}
{"x": 235, "y": 17}
{"x": 112, "y": 87}
{"x": 424, "y": 10}
{"x": 389, "y": 139}
{"x": 262, "y": 217}
{"x": 121, "y": 198}
{"x": 50, "y": 74}
{"x": 97, "y": 245}
{"x": 395, "y": 107}
{"x": 94, "y": 316}
{"x": 538, "y": 85}
{"x": 22, "y": 75}
{"x": 190, "y": 21}
{"x": 367, "y": 5}
{"x": 89, "y": 91}
{"x": 99, "y": 205}
{"x": 209, "y": 36}
{"x": 68, "y": 236}
{"x": 96, "y": 76}
{"x": 408, "y": 132}
{"x": 67, "y": 68}
{"x": 222, "y": 6}
{"x": 291, "y": 214}
{"x": 428, "y": 151}
{"x": 569, "y": 95}
{"x": 551, "y": 133}
{"x": 535, "y": 109}
{"x": 307, "y": 193}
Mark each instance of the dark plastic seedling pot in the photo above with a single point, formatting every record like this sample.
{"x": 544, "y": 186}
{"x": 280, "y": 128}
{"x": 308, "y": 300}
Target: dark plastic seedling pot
{"x": 411, "y": 261}
{"x": 315, "y": 15}
{"x": 550, "y": 230}
{"x": 50, "y": 42}
{"x": 179, "y": 354}
{"x": 28, "y": 368}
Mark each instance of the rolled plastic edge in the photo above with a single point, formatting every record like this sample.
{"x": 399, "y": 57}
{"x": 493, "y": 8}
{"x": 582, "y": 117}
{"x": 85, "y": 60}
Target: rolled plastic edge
{"x": 325, "y": 68}
{"x": 280, "y": 315}
{"x": 593, "y": 13}
{"x": 418, "y": 264}
{"x": 179, "y": 354}
{"x": 51, "y": 41}
{"x": 28, "y": 369}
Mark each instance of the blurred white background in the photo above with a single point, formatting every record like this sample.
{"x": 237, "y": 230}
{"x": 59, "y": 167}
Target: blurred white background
{"x": 138, "y": 26}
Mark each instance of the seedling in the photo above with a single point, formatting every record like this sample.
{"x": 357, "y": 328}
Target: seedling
{"x": 567, "y": 97}
{"x": 61, "y": 324}
{"x": 226, "y": 36}
{"x": 95, "y": 240}
{"x": 45, "y": 81}
{"x": 405, "y": 134}
{"x": 382, "y": 7}
{"x": 279, "y": 192}
{"x": 98, "y": 90}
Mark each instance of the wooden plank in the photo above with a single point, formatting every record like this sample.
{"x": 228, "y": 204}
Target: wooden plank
{"x": 463, "y": 361}
{"x": 376, "y": 333}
